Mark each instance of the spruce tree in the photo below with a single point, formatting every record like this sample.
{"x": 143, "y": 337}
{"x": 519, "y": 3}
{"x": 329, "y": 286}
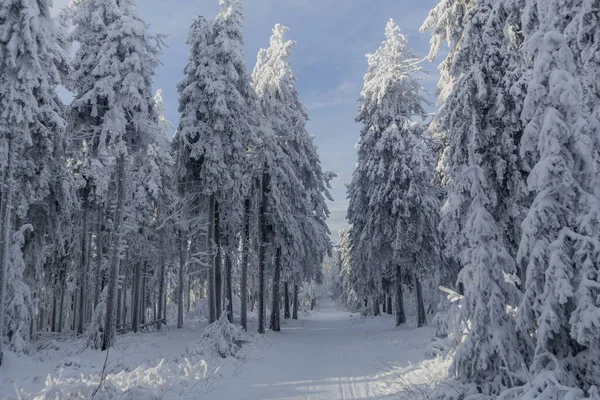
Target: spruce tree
{"x": 113, "y": 111}
{"x": 32, "y": 135}
{"x": 393, "y": 205}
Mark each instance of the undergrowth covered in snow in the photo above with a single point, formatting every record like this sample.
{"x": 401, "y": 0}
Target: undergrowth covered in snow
{"x": 221, "y": 338}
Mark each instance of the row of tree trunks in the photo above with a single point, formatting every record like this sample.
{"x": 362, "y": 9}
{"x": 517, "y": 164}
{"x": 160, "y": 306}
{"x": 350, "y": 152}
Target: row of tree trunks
{"x": 6, "y": 221}
{"x": 85, "y": 256}
{"x": 113, "y": 272}
{"x": 262, "y": 240}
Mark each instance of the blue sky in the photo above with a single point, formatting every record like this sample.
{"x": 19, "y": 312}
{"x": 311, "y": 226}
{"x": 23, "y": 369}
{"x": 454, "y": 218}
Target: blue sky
{"x": 332, "y": 38}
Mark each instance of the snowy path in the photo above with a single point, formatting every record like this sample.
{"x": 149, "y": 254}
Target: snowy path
{"x": 328, "y": 355}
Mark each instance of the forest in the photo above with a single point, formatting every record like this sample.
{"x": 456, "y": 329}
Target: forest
{"x": 136, "y": 263}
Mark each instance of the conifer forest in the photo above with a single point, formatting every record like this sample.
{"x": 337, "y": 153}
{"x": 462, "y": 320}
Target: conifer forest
{"x": 181, "y": 218}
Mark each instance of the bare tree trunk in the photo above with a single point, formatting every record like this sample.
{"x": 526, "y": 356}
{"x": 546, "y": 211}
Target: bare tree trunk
{"x": 113, "y": 272}
{"x": 161, "y": 277}
{"x": 421, "y": 317}
{"x": 275, "y": 308}
{"x": 384, "y": 304}
{"x": 218, "y": 261}
{"x": 286, "y": 294}
{"x": 135, "y": 305}
{"x": 98, "y": 274}
{"x": 6, "y": 209}
{"x": 63, "y": 287}
{"x": 245, "y": 257}
{"x": 119, "y": 305}
{"x": 229, "y": 284}
{"x": 295, "y": 302}
{"x": 54, "y": 304}
{"x": 85, "y": 263}
{"x": 143, "y": 303}
{"x": 400, "y": 316}
{"x": 261, "y": 251}
{"x": 212, "y": 306}
{"x": 181, "y": 287}
{"x": 389, "y": 305}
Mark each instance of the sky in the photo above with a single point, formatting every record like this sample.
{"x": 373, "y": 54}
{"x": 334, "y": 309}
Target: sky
{"x": 332, "y": 36}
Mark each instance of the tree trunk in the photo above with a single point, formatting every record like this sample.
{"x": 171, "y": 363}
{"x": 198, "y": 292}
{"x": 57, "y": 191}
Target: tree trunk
{"x": 275, "y": 307}
{"x": 245, "y": 257}
{"x": 376, "y": 310}
{"x": 85, "y": 265}
{"x": 98, "y": 274}
{"x": 286, "y": 300}
{"x": 384, "y": 304}
{"x": 400, "y": 316}
{"x": 421, "y": 317}
{"x": 229, "y": 283}
{"x": 261, "y": 251}
{"x": 295, "y": 303}
{"x": 389, "y": 305}
{"x": 6, "y": 221}
{"x": 54, "y": 304}
{"x": 135, "y": 304}
{"x": 113, "y": 272}
{"x": 218, "y": 262}
{"x": 143, "y": 305}
{"x": 181, "y": 286}
{"x": 188, "y": 295}
{"x": 119, "y": 306}
{"x": 63, "y": 287}
{"x": 161, "y": 277}
{"x": 212, "y": 306}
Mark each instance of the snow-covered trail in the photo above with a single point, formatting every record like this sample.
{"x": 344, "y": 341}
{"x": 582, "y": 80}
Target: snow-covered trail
{"x": 330, "y": 354}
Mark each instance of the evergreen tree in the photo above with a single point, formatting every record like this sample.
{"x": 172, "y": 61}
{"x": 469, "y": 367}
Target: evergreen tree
{"x": 393, "y": 204}
{"x": 560, "y": 234}
{"x": 32, "y": 132}
{"x": 274, "y": 82}
{"x": 113, "y": 111}
{"x": 216, "y": 128}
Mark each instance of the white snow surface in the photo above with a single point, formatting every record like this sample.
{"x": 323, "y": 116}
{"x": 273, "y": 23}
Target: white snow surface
{"x": 326, "y": 354}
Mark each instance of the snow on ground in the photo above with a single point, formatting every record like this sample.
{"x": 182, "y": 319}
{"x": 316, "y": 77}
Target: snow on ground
{"x": 327, "y": 354}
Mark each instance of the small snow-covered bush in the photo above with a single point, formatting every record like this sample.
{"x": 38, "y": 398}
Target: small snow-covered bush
{"x": 220, "y": 338}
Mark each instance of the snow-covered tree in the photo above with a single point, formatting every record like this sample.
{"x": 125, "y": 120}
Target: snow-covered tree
{"x": 275, "y": 85}
{"x": 216, "y": 128}
{"x": 559, "y": 310}
{"x": 393, "y": 204}
{"x": 113, "y": 110}
{"x": 32, "y": 132}
{"x": 489, "y": 353}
